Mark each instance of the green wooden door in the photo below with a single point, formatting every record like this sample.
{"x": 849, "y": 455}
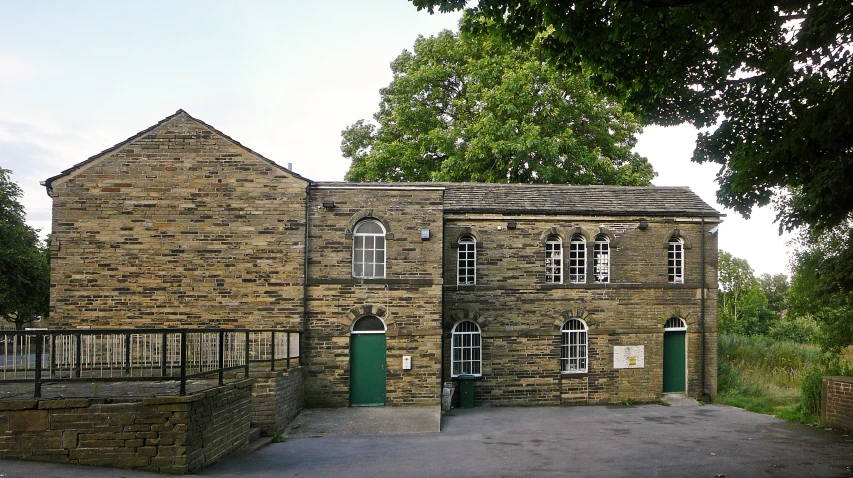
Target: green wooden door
{"x": 367, "y": 370}
{"x": 674, "y": 362}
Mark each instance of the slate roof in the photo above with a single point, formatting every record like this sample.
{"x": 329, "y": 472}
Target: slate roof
{"x": 559, "y": 198}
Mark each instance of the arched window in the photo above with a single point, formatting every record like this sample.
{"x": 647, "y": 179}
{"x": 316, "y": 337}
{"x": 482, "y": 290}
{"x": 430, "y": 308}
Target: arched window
{"x": 368, "y": 249}
{"x": 601, "y": 259}
{"x": 368, "y": 324}
{"x": 465, "y": 349}
{"x": 554, "y": 260}
{"x": 675, "y": 260}
{"x": 577, "y": 260}
{"x": 573, "y": 345}
{"x": 466, "y": 270}
{"x": 675, "y": 323}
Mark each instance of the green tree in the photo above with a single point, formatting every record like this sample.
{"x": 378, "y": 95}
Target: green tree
{"x": 818, "y": 288}
{"x": 776, "y": 288}
{"x": 24, "y": 269}
{"x": 771, "y": 80}
{"x": 742, "y": 306}
{"x": 465, "y": 108}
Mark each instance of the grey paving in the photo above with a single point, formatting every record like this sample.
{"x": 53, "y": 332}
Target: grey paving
{"x": 365, "y": 421}
{"x": 596, "y": 441}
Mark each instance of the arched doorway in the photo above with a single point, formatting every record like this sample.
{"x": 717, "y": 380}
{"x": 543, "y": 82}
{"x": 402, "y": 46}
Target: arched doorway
{"x": 367, "y": 362}
{"x": 675, "y": 356}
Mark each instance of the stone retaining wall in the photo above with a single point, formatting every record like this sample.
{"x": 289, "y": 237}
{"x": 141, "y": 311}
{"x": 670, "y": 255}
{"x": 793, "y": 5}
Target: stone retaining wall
{"x": 163, "y": 434}
{"x": 277, "y": 397}
{"x": 837, "y": 407}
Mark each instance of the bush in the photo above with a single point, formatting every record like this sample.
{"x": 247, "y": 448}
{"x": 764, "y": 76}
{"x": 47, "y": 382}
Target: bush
{"x": 812, "y": 389}
{"x": 803, "y": 330}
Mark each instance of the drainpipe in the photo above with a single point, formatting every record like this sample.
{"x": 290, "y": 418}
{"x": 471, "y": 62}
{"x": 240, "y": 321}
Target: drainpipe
{"x": 304, "y": 334}
{"x": 702, "y": 314}
{"x": 441, "y": 319}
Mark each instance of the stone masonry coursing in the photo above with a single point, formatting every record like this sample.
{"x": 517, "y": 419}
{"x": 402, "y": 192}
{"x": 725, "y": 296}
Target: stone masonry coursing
{"x": 164, "y": 434}
{"x": 182, "y": 226}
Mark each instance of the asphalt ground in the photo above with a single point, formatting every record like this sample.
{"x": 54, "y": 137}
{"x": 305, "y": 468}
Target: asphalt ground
{"x": 591, "y": 441}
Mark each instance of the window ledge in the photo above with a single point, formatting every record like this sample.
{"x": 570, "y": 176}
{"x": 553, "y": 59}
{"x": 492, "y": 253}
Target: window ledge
{"x": 574, "y": 374}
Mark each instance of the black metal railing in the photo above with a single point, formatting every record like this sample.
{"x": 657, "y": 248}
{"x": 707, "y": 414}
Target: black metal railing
{"x": 116, "y": 355}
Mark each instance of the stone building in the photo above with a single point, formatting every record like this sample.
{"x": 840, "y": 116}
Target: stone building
{"x": 547, "y": 294}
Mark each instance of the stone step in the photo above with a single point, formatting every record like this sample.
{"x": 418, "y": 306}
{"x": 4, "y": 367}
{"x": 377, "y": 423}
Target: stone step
{"x": 255, "y": 442}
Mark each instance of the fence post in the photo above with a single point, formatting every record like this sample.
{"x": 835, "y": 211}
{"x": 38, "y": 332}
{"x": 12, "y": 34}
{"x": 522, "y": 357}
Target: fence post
{"x": 78, "y": 354}
{"x": 127, "y": 352}
{"x": 221, "y": 360}
{"x": 52, "y": 339}
{"x": 247, "y": 354}
{"x": 183, "y": 362}
{"x": 288, "y": 351}
{"x": 39, "y": 350}
{"x": 164, "y": 345}
{"x": 272, "y": 352}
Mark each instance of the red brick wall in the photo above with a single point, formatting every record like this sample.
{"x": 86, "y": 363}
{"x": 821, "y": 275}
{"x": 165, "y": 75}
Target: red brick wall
{"x": 837, "y": 407}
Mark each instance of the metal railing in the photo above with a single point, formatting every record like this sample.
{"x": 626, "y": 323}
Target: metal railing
{"x": 116, "y": 355}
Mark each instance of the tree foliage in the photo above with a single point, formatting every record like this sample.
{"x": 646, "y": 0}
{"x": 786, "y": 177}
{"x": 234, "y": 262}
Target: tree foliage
{"x": 466, "y": 108}
{"x": 743, "y": 307}
{"x": 24, "y": 269}
{"x": 772, "y": 81}
{"x": 821, "y": 288}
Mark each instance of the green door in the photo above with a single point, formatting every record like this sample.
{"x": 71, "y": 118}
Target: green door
{"x": 367, "y": 370}
{"x": 674, "y": 362}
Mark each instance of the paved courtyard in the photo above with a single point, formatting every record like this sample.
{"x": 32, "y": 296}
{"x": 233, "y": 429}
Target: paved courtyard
{"x": 595, "y": 441}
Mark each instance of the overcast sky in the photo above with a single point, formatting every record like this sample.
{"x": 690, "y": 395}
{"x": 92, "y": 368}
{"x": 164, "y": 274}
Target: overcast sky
{"x": 281, "y": 77}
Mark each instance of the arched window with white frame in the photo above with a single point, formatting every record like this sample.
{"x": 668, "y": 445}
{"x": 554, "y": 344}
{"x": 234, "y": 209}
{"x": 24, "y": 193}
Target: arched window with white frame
{"x": 577, "y": 260}
{"x": 466, "y": 349}
{"x": 368, "y": 249}
{"x": 554, "y": 260}
{"x": 675, "y": 260}
{"x": 466, "y": 264}
{"x": 601, "y": 259}
{"x": 573, "y": 347}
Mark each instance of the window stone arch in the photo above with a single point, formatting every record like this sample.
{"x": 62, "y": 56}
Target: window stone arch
{"x": 460, "y": 232}
{"x": 360, "y": 311}
{"x": 677, "y": 233}
{"x": 368, "y": 214}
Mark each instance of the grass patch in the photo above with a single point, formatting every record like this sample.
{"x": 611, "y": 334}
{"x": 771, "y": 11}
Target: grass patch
{"x": 763, "y": 375}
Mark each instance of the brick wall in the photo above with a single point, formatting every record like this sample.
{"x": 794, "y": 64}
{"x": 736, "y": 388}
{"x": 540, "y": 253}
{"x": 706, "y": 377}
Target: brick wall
{"x": 164, "y": 434}
{"x": 179, "y": 226}
{"x": 837, "y": 402}
{"x": 277, "y": 397}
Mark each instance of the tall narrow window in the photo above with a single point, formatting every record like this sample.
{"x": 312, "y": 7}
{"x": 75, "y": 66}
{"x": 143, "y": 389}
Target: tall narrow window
{"x": 554, "y": 260}
{"x": 577, "y": 260}
{"x": 465, "y": 349}
{"x": 368, "y": 250}
{"x": 466, "y": 270}
{"x": 601, "y": 259}
{"x": 675, "y": 260}
{"x": 573, "y": 345}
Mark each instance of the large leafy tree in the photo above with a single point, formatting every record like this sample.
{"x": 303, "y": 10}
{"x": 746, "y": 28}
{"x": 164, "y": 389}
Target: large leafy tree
{"x": 743, "y": 307}
{"x": 466, "y": 108}
{"x": 24, "y": 269}
{"x": 771, "y": 80}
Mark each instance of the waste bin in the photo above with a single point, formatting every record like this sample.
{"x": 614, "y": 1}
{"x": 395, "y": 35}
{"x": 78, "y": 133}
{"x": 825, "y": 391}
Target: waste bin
{"x": 466, "y": 390}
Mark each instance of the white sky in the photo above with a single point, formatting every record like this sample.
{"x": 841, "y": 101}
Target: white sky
{"x": 281, "y": 77}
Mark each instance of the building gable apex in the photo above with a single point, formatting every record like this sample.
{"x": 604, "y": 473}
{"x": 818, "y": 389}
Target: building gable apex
{"x": 180, "y": 113}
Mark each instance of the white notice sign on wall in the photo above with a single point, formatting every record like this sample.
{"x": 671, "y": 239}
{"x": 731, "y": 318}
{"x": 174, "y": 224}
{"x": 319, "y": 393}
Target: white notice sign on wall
{"x": 631, "y": 356}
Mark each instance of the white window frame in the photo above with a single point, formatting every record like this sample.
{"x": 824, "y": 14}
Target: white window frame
{"x": 574, "y": 346}
{"x": 601, "y": 260}
{"x": 675, "y": 260}
{"x": 360, "y": 255}
{"x": 466, "y": 349}
{"x": 368, "y": 331}
{"x": 577, "y": 260}
{"x": 466, "y": 261}
{"x": 554, "y": 260}
{"x": 675, "y": 324}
